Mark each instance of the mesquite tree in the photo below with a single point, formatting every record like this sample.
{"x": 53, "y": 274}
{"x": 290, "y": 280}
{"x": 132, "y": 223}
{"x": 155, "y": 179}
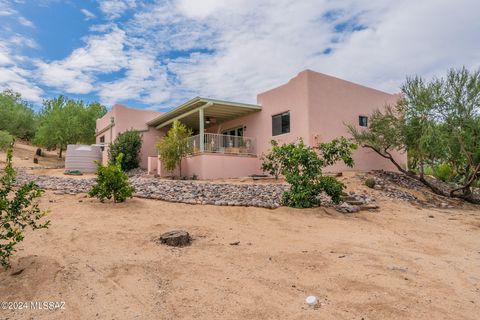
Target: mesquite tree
{"x": 437, "y": 123}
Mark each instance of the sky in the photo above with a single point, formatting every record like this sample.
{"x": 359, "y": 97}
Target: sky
{"x": 158, "y": 54}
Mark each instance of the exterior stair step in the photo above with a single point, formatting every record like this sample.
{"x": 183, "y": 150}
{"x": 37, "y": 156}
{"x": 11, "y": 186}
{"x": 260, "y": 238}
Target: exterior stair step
{"x": 355, "y": 202}
{"x": 369, "y": 207}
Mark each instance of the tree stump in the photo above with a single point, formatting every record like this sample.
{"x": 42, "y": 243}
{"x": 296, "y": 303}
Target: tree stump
{"x": 175, "y": 238}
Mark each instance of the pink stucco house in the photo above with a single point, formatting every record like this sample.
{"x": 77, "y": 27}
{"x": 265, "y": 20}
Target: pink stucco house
{"x": 229, "y": 137}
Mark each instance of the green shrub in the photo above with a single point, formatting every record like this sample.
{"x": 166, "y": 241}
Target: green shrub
{"x": 302, "y": 168}
{"x": 444, "y": 172}
{"x": 332, "y": 187}
{"x": 271, "y": 163}
{"x": 18, "y": 210}
{"x": 112, "y": 182}
{"x": 6, "y": 140}
{"x": 129, "y": 144}
{"x": 370, "y": 182}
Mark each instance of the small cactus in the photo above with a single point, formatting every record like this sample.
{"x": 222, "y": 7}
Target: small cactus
{"x": 370, "y": 182}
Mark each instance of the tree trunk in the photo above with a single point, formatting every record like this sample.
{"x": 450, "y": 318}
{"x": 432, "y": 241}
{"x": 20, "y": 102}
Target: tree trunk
{"x": 176, "y": 238}
{"x": 466, "y": 195}
{"x": 60, "y": 153}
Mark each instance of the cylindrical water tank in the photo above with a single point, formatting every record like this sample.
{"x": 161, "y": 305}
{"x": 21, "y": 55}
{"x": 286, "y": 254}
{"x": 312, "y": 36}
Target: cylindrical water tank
{"x": 82, "y": 157}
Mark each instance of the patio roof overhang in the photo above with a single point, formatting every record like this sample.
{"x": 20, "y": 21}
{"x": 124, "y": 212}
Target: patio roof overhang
{"x": 190, "y": 112}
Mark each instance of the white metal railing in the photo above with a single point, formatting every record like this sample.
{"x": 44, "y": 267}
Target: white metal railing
{"x": 222, "y": 143}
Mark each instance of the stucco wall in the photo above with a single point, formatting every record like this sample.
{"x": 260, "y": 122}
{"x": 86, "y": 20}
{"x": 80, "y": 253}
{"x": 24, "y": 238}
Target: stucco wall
{"x": 292, "y": 97}
{"x": 215, "y": 166}
{"x": 129, "y": 118}
{"x": 333, "y": 103}
{"x": 319, "y": 106}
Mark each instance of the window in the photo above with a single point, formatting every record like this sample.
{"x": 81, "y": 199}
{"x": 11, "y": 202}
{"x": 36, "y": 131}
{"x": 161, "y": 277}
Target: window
{"x": 102, "y": 141}
{"x": 363, "y": 121}
{"x": 281, "y": 123}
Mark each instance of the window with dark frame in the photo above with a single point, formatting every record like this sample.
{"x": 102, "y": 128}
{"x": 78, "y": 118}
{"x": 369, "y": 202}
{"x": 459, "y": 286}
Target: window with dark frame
{"x": 102, "y": 140}
{"x": 281, "y": 123}
{"x": 363, "y": 121}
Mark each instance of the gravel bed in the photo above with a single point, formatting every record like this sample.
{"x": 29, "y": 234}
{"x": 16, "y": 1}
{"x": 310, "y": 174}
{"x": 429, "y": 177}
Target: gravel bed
{"x": 193, "y": 192}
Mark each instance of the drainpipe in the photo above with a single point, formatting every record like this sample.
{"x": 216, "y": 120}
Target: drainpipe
{"x": 112, "y": 123}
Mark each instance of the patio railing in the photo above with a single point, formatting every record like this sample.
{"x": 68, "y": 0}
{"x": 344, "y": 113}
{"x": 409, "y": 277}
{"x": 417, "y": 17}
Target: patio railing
{"x": 222, "y": 143}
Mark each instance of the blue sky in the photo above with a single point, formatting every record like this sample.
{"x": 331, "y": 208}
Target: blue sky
{"x": 157, "y": 54}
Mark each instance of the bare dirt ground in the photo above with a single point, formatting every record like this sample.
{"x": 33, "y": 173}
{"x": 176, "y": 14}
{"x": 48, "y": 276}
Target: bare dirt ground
{"x": 401, "y": 262}
{"x": 24, "y": 153}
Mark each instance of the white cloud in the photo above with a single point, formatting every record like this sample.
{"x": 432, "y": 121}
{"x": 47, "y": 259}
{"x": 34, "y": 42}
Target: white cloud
{"x": 88, "y": 14}
{"x": 76, "y": 73}
{"x": 170, "y": 51}
{"x": 258, "y": 45}
{"x": 25, "y": 22}
{"x": 115, "y": 8}
{"x": 16, "y": 78}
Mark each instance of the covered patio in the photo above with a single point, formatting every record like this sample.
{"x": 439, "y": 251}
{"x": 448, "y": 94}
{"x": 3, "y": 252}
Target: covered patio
{"x": 204, "y": 116}
{"x": 216, "y": 151}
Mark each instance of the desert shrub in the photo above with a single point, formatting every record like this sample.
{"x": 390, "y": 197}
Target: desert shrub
{"x": 271, "y": 163}
{"x": 332, "y": 187}
{"x": 444, "y": 172}
{"x": 302, "y": 168}
{"x": 18, "y": 210}
{"x": 112, "y": 182}
{"x": 129, "y": 144}
{"x": 370, "y": 182}
{"x": 428, "y": 170}
{"x": 6, "y": 140}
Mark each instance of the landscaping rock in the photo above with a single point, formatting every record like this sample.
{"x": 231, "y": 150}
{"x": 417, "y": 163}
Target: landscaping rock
{"x": 347, "y": 208}
{"x": 176, "y": 238}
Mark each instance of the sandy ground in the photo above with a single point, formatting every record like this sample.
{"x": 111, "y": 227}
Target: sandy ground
{"x": 24, "y": 153}
{"x": 101, "y": 259}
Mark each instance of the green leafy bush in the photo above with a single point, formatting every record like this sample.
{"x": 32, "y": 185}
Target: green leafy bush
{"x": 302, "y": 168}
{"x": 112, "y": 182}
{"x": 271, "y": 163}
{"x": 18, "y": 210}
{"x": 129, "y": 144}
{"x": 6, "y": 140}
{"x": 332, "y": 187}
{"x": 370, "y": 182}
{"x": 444, "y": 172}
